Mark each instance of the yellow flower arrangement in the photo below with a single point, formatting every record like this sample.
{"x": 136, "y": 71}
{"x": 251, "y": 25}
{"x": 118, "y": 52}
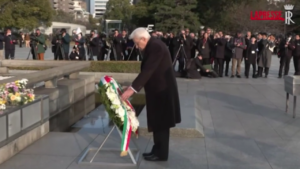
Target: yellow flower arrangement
{"x": 12, "y": 97}
{"x": 2, "y": 101}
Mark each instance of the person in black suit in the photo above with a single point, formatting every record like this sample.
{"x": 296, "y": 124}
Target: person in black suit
{"x": 286, "y": 50}
{"x": 220, "y": 43}
{"x": 296, "y": 54}
{"x": 124, "y": 42}
{"x": 204, "y": 48}
{"x": 93, "y": 46}
{"x": 1, "y": 46}
{"x": 157, "y": 77}
{"x": 173, "y": 46}
{"x": 228, "y": 54}
{"x": 250, "y": 58}
{"x": 117, "y": 47}
{"x": 194, "y": 45}
{"x": 10, "y": 41}
{"x": 248, "y": 42}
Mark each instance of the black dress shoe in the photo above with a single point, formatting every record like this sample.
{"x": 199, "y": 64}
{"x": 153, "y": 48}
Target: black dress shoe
{"x": 238, "y": 76}
{"x": 147, "y": 154}
{"x": 232, "y": 76}
{"x": 154, "y": 158}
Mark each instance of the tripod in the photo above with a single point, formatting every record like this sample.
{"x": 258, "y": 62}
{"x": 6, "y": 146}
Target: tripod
{"x": 112, "y": 49}
{"x": 33, "y": 51}
{"x": 139, "y": 55}
{"x": 90, "y": 53}
{"x": 59, "y": 53}
{"x": 181, "y": 49}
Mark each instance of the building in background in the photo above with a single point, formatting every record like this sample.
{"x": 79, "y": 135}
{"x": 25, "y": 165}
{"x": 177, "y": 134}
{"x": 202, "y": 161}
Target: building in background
{"x": 64, "y": 5}
{"x": 80, "y": 10}
{"x": 98, "y": 7}
{"x": 88, "y": 5}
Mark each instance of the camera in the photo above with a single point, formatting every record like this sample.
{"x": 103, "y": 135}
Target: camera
{"x": 58, "y": 36}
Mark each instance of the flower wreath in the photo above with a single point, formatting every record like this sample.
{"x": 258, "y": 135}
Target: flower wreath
{"x": 120, "y": 112}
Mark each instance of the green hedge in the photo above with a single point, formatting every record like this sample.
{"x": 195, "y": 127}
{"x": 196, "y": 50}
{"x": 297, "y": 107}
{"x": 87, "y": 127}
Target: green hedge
{"x": 100, "y": 66}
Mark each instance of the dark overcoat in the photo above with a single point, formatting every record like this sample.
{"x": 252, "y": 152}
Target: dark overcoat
{"x": 158, "y": 79}
{"x": 265, "y": 55}
{"x": 220, "y": 48}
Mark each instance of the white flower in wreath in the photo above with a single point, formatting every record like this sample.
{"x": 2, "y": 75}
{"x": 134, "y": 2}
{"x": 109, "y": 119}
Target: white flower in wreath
{"x": 111, "y": 96}
{"x": 120, "y": 112}
{"x": 116, "y": 101}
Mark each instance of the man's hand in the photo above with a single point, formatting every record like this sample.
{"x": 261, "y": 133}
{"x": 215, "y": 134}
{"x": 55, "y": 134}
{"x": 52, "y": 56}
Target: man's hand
{"x": 128, "y": 93}
{"x": 200, "y": 57}
{"x": 124, "y": 88}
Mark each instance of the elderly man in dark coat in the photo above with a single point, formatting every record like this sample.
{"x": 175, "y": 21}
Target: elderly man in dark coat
{"x": 158, "y": 79}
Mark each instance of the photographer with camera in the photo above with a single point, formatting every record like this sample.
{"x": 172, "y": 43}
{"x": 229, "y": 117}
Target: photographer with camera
{"x": 79, "y": 41}
{"x": 64, "y": 40}
{"x": 38, "y": 42}
{"x": 184, "y": 51}
{"x": 117, "y": 46}
{"x": 93, "y": 44}
{"x": 9, "y": 41}
{"x": 76, "y": 54}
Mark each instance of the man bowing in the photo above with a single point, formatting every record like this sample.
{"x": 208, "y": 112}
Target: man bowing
{"x": 162, "y": 100}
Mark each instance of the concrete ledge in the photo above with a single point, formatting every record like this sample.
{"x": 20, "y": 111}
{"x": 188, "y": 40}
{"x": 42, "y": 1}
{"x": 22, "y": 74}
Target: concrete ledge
{"x": 120, "y": 77}
{"x": 67, "y": 92}
{"x": 3, "y": 70}
{"x": 23, "y": 141}
{"x": 34, "y": 63}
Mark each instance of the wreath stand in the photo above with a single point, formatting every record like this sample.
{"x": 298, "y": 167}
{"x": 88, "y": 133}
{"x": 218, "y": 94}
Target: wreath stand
{"x": 90, "y": 162}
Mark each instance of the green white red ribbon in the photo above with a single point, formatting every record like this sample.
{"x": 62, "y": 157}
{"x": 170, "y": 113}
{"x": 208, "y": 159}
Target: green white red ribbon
{"x": 127, "y": 129}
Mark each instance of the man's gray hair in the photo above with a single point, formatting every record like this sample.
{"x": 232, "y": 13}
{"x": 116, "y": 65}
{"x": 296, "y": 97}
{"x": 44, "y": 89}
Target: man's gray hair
{"x": 140, "y": 33}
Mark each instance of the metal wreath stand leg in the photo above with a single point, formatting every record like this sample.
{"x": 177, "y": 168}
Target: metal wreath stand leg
{"x": 134, "y": 159}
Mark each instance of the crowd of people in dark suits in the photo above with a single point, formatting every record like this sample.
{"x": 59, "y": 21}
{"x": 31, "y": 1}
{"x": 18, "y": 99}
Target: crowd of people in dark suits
{"x": 210, "y": 54}
{"x": 97, "y": 46}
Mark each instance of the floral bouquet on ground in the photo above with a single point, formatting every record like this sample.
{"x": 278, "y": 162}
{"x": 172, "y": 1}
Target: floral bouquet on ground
{"x": 120, "y": 112}
{"x": 15, "y": 94}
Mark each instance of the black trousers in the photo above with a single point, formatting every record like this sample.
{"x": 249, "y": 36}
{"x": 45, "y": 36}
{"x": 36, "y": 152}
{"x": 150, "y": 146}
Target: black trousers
{"x": 226, "y": 62}
{"x": 101, "y": 54}
{"x": 161, "y": 143}
{"x": 125, "y": 55}
{"x": 67, "y": 56}
{"x": 284, "y": 62}
{"x": 219, "y": 63}
{"x": 247, "y": 67}
{"x": 9, "y": 53}
{"x": 205, "y": 61}
{"x": 296, "y": 60}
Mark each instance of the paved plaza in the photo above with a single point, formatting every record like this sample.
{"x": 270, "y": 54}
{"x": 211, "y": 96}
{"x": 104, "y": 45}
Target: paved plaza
{"x": 244, "y": 122}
